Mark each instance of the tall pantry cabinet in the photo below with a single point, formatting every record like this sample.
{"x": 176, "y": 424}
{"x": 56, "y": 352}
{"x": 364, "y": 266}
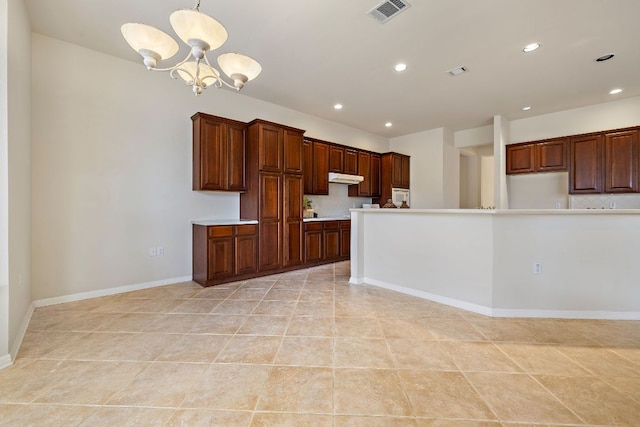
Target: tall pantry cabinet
{"x": 274, "y": 192}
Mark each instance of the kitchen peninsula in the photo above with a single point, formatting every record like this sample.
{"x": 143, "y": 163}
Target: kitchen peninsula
{"x": 504, "y": 263}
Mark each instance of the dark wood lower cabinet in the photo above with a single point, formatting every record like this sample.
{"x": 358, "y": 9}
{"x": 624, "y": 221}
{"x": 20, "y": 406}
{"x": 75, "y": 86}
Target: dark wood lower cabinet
{"x": 325, "y": 241}
{"x": 224, "y": 253}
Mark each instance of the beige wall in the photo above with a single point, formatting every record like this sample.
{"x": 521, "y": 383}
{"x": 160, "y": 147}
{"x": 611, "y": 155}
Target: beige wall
{"x": 427, "y": 166}
{"x": 15, "y": 196}
{"x": 4, "y": 192}
{"x": 112, "y": 168}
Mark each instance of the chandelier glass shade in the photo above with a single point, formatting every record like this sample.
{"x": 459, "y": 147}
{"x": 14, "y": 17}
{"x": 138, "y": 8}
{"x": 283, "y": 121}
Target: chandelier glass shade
{"x": 202, "y": 33}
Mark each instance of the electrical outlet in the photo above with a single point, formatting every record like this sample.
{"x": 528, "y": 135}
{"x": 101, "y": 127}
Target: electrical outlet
{"x": 612, "y": 204}
{"x": 537, "y": 268}
{"x": 153, "y": 251}
{"x": 557, "y": 205}
{"x": 160, "y": 250}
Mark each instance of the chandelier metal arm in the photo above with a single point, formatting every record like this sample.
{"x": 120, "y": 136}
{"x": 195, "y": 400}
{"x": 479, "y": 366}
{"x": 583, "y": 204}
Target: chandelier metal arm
{"x": 172, "y": 68}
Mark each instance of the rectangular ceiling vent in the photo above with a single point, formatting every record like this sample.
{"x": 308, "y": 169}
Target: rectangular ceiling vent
{"x": 388, "y": 9}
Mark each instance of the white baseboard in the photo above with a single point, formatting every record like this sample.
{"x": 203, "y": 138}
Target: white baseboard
{"x": 475, "y": 308}
{"x": 109, "y": 291}
{"x": 568, "y": 314}
{"x": 21, "y": 333}
{"x": 503, "y": 312}
{"x": 5, "y": 361}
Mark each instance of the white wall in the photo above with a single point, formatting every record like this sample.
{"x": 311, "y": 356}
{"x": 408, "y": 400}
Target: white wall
{"x": 15, "y": 171}
{"x": 608, "y": 115}
{"x": 474, "y": 137}
{"x": 19, "y": 117}
{"x": 501, "y": 136}
{"x": 427, "y": 166}
{"x": 538, "y": 190}
{"x": 112, "y": 168}
{"x": 589, "y": 262}
{"x": 4, "y": 190}
{"x": 483, "y": 260}
{"x": 450, "y": 172}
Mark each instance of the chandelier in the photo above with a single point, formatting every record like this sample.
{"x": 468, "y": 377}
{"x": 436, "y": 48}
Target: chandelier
{"x": 202, "y": 33}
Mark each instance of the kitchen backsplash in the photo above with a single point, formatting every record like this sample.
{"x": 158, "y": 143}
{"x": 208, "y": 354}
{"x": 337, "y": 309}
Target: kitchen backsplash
{"x": 337, "y": 203}
{"x": 604, "y": 201}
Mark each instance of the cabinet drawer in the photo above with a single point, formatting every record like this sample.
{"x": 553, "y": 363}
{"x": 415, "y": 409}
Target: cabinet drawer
{"x": 221, "y": 231}
{"x": 331, "y": 225}
{"x": 246, "y": 230}
{"x": 345, "y": 224}
{"x": 312, "y": 226}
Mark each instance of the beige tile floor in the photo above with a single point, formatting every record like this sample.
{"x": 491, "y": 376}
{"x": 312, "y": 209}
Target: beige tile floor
{"x": 307, "y": 349}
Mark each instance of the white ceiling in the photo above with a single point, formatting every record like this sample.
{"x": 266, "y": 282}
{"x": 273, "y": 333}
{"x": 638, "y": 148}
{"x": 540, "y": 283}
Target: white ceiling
{"x": 315, "y": 53}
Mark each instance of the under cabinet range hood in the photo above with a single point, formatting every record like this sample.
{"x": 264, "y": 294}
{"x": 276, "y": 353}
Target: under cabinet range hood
{"x": 343, "y": 178}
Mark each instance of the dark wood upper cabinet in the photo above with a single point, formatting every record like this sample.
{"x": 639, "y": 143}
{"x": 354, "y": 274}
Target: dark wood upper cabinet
{"x": 270, "y": 142}
{"x": 292, "y": 150}
{"x": 541, "y": 156}
{"x": 586, "y": 164}
{"x": 351, "y": 161}
{"x": 219, "y": 151}
{"x": 621, "y": 162}
{"x": 336, "y": 159}
{"x": 521, "y": 158}
{"x": 400, "y": 170}
{"x": 551, "y": 155}
{"x": 362, "y": 189}
{"x": 307, "y": 166}
{"x": 236, "y": 157}
{"x": 320, "y": 168}
{"x": 375, "y": 175}
{"x": 395, "y": 172}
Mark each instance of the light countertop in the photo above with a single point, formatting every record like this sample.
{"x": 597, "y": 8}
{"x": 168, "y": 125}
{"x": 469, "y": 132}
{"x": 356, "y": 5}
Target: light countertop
{"x": 209, "y": 222}
{"x": 328, "y": 218}
{"x": 505, "y": 211}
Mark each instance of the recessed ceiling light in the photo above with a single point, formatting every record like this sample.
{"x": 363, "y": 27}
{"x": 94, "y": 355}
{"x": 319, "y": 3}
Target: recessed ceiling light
{"x": 527, "y": 108}
{"x": 388, "y": 124}
{"x": 614, "y": 91}
{"x": 400, "y": 67}
{"x": 338, "y": 106}
{"x": 531, "y": 47}
{"x": 606, "y": 57}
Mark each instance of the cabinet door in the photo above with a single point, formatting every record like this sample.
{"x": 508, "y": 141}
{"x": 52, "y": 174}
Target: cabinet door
{"x": 246, "y": 254}
{"x": 293, "y": 234}
{"x": 551, "y": 155}
{"x": 375, "y": 175}
{"x": 320, "y": 168}
{"x": 405, "y": 179}
{"x": 210, "y": 172}
{"x": 345, "y": 239}
{"x": 236, "y": 158}
{"x": 350, "y": 161}
{"x": 292, "y": 151}
{"x": 586, "y": 165}
{"x": 336, "y": 159}
{"x": 270, "y": 245}
{"x": 364, "y": 169}
{"x": 621, "y": 162}
{"x": 307, "y": 166}
{"x": 520, "y": 158}
{"x": 331, "y": 244}
{"x": 270, "y": 196}
{"x": 220, "y": 248}
{"x": 313, "y": 246}
{"x": 270, "y": 148}
{"x": 396, "y": 171}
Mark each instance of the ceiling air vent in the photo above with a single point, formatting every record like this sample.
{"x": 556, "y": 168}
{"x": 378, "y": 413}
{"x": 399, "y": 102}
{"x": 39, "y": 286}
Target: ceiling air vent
{"x": 387, "y": 10}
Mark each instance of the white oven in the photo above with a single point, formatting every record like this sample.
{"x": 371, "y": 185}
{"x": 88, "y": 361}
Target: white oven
{"x": 399, "y": 195}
